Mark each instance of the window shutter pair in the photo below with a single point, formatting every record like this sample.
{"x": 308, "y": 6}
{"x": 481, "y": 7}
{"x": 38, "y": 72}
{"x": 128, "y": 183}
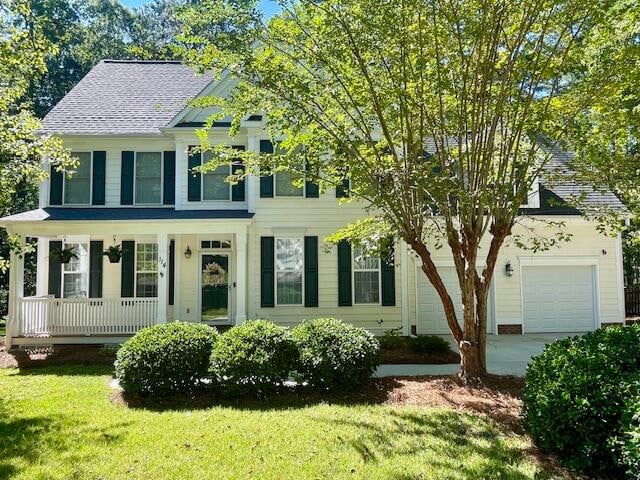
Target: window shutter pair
{"x": 267, "y": 271}
{"x": 98, "y": 181}
{"x": 168, "y": 181}
{"x": 311, "y": 189}
{"x": 345, "y": 287}
{"x": 194, "y": 183}
{"x": 95, "y": 269}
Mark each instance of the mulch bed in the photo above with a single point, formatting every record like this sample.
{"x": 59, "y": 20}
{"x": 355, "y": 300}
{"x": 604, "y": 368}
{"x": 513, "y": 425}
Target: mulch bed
{"x": 58, "y": 355}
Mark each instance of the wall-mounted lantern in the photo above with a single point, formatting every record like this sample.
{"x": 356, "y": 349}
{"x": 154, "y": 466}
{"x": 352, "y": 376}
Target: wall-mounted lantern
{"x": 508, "y": 269}
{"x": 187, "y": 252}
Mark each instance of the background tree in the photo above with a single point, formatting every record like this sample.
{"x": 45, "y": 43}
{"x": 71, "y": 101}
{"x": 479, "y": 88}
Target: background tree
{"x": 441, "y": 113}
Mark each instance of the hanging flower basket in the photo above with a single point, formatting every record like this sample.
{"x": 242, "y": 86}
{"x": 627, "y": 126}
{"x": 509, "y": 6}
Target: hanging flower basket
{"x": 114, "y": 253}
{"x": 65, "y": 255}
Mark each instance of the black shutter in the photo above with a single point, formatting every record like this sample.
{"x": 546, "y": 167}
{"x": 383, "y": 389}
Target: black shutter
{"x": 310, "y": 271}
{"x": 267, "y": 288}
{"x": 55, "y": 192}
{"x": 266, "y": 181}
{"x": 344, "y": 274}
{"x": 126, "y": 178}
{"x": 127, "y": 280}
{"x": 237, "y": 190}
{"x": 55, "y": 268}
{"x": 169, "y": 180}
{"x": 99, "y": 176}
{"x": 342, "y": 190}
{"x": 95, "y": 268}
{"x": 172, "y": 272}
{"x": 388, "y": 275}
{"x": 194, "y": 183}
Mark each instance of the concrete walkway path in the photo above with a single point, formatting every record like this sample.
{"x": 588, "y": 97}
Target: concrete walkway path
{"x": 506, "y": 355}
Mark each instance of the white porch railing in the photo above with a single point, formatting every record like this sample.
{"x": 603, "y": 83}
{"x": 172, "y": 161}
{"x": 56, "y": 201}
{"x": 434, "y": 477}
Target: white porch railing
{"x": 49, "y": 316}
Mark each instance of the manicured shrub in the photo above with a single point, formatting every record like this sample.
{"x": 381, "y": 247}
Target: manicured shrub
{"x": 335, "y": 355}
{"x": 253, "y": 358}
{"x": 429, "y": 344}
{"x": 392, "y": 340}
{"x": 166, "y": 358}
{"x": 575, "y": 394}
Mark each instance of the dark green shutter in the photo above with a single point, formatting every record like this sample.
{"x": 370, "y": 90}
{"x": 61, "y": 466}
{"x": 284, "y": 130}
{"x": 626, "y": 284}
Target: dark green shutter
{"x": 55, "y": 268}
{"x": 237, "y": 190}
{"x": 266, "y": 181}
{"x": 267, "y": 287}
{"x": 194, "y": 183}
{"x": 172, "y": 271}
{"x": 99, "y": 177}
{"x": 55, "y": 192}
{"x": 169, "y": 180}
{"x": 311, "y": 190}
{"x": 126, "y": 178}
{"x": 127, "y": 280}
{"x": 388, "y": 275}
{"x": 310, "y": 271}
{"x": 342, "y": 190}
{"x": 95, "y": 268}
{"x": 344, "y": 274}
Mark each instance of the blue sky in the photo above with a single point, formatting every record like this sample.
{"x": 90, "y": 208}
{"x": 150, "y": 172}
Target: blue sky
{"x": 269, "y": 7}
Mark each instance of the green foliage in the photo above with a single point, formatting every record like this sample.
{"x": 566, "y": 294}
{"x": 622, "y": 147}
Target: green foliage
{"x": 165, "y": 359}
{"x": 335, "y": 355}
{"x": 253, "y": 358}
{"x": 392, "y": 340}
{"x": 628, "y": 441}
{"x": 575, "y": 394}
{"x": 429, "y": 344}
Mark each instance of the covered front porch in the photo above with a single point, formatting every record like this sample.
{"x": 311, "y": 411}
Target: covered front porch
{"x": 191, "y": 269}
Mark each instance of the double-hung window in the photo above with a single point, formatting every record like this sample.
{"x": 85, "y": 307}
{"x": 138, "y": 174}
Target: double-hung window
{"x": 214, "y": 184}
{"x": 289, "y": 268}
{"x": 77, "y": 185}
{"x": 285, "y": 186}
{"x": 146, "y": 270}
{"x": 148, "y": 178}
{"x": 366, "y": 278}
{"x": 75, "y": 278}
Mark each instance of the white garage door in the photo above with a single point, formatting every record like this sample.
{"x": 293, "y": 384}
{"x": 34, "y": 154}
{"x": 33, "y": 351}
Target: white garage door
{"x": 430, "y": 315}
{"x": 558, "y": 299}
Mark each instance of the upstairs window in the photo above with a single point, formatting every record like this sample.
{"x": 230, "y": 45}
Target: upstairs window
{"x": 77, "y": 185}
{"x": 214, "y": 184}
{"x": 148, "y": 178}
{"x": 285, "y": 186}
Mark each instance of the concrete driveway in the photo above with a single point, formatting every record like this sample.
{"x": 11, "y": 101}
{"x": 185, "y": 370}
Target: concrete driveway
{"x": 506, "y": 355}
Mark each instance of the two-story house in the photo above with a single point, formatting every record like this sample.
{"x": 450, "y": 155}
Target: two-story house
{"x": 195, "y": 248}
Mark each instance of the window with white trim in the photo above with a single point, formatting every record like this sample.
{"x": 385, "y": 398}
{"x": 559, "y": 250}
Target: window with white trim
{"x": 75, "y": 274}
{"x": 285, "y": 186}
{"x": 77, "y": 183}
{"x": 366, "y": 278}
{"x": 146, "y": 270}
{"x": 148, "y": 178}
{"x": 289, "y": 267}
{"x": 214, "y": 184}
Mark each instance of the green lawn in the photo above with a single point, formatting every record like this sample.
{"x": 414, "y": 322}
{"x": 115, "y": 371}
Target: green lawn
{"x": 59, "y": 423}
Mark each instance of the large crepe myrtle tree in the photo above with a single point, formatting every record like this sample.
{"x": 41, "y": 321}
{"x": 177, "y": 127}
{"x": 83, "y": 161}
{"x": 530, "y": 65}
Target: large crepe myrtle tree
{"x": 441, "y": 114}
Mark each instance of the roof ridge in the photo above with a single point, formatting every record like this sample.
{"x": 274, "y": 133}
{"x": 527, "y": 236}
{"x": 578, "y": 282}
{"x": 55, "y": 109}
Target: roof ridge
{"x": 110, "y": 60}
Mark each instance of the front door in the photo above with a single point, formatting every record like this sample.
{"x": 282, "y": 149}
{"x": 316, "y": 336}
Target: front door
{"x": 214, "y": 284}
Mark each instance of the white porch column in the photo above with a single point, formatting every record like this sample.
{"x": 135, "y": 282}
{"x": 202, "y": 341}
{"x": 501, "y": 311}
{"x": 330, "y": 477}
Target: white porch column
{"x": 42, "y": 266}
{"x": 163, "y": 276}
{"x": 404, "y": 295}
{"x": 178, "y": 257}
{"x": 181, "y": 166}
{"x": 241, "y": 277}
{"x": 16, "y": 287}
{"x": 253, "y": 146}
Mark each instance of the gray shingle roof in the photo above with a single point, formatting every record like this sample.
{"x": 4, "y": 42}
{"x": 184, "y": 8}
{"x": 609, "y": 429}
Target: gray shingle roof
{"x": 125, "y": 97}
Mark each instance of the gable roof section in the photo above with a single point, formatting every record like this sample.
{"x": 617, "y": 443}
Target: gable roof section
{"x": 125, "y": 97}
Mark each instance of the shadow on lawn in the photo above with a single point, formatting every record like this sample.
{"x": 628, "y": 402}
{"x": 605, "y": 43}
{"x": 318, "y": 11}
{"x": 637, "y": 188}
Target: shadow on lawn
{"x": 24, "y": 441}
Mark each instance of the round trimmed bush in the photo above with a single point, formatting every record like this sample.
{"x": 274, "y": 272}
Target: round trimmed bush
{"x": 575, "y": 394}
{"x": 165, "y": 359}
{"x": 335, "y": 355}
{"x": 253, "y": 358}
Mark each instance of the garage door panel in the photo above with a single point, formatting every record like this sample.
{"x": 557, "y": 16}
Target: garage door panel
{"x": 558, "y": 298}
